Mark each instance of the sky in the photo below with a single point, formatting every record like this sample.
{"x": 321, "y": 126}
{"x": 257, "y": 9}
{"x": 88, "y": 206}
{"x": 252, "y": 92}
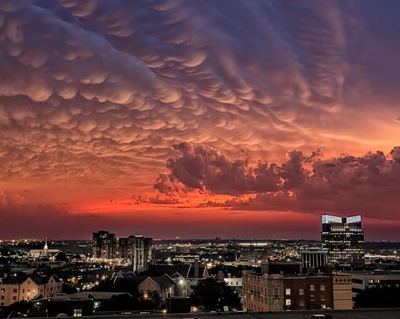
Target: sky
{"x": 198, "y": 119}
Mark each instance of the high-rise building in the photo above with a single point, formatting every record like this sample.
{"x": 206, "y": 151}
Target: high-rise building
{"x": 344, "y": 238}
{"x": 138, "y": 249}
{"x": 103, "y": 245}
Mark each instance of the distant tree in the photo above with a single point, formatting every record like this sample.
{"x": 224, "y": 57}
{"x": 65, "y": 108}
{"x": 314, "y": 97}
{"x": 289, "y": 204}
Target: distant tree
{"x": 378, "y": 297}
{"x": 213, "y": 295}
{"x": 61, "y": 257}
{"x": 68, "y": 289}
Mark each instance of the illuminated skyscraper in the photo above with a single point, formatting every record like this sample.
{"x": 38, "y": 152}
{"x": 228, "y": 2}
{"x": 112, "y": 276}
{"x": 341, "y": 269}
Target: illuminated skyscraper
{"x": 138, "y": 249}
{"x": 103, "y": 245}
{"x": 344, "y": 239}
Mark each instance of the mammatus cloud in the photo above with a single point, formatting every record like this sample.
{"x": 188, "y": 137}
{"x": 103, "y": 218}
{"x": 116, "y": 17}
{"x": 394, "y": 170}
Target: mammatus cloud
{"x": 93, "y": 93}
{"x": 310, "y": 184}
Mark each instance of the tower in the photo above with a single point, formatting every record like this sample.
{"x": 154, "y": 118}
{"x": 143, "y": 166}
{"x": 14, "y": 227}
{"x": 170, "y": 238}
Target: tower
{"x": 45, "y": 248}
{"x": 344, "y": 238}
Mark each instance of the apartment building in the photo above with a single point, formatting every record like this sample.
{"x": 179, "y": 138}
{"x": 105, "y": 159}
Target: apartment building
{"x": 19, "y": 288}
{"x": 279, "y": 292}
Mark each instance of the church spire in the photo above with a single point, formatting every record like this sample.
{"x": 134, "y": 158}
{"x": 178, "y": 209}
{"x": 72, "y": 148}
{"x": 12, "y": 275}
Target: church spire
{"x": 45, "y": 245}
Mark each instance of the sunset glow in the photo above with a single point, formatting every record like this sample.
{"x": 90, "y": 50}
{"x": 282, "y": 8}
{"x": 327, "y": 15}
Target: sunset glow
{"x": 197, "y": 119}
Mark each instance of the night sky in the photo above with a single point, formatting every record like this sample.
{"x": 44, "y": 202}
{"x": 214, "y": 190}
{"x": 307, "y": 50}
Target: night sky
{"x": 200, "y": 118}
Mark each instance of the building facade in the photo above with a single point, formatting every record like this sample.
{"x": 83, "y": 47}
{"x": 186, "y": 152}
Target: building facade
{"x": 103, "y": 245}
{"x": 344, "y": 239}
{"x": 368, "y": 279}
{"x": 19, "y": 288}
{"x": 314, "y": 258}
{"x": 278, "y": 292}
{"x": 138, "y": 249}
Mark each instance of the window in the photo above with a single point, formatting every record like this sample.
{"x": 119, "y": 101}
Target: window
{"x": 276, "y": 292}
{"x": 288, "y": 302}
{"x": 276, "y": 302}
{"x": 312, "y": 288}
{"x": 287, "y": 291}
{"x": 312, "y": 298}
{"x": 23, "y": 291}
{"x": 322, "y": 287}
{"x": 77, "y": 312}
{"x": 15, "y": 291}
{"x": 3, "y": 290}
{"x": 301, "y": 292}
{"x": 2, "y": 298}
{"x": 14, "y": 297}
{"x": 301, "y": 303}
{"x": 322, "y": 297}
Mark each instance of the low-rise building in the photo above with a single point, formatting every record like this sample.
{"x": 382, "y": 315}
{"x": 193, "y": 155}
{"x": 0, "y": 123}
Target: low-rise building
{"x": 277, "y": 292}
{"x": 19, "y": 288}
{"x": 367, "y": 279}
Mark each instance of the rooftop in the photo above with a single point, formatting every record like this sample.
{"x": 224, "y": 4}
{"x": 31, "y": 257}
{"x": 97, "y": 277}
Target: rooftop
{"x": 339, "y": 314}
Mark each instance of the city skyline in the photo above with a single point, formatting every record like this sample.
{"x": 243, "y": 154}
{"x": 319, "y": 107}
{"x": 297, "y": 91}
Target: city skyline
{"x": 198, "y": 119}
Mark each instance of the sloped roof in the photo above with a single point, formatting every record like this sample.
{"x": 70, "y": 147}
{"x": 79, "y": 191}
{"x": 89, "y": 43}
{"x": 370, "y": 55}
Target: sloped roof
{"x": 164, "y": 282}
{"x": 159, "y": 270}
{"x": 14, "y": 280}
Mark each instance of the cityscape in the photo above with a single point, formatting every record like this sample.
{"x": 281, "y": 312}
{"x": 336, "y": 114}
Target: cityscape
{"x": 195, "y": 159}
{"x": 138, "y": 275}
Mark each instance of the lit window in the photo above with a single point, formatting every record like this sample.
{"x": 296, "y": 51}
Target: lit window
{"x": 312, "y": 288}
{"x": 322, "y": 297}
{"x": 276, "y": 302}
{"x": 288, "y": 302}
{"x": 287, "y": 291}
{"x": 301, "y": 292}
{"x": 77, "y": 312}
{"x": 301, "y": 303}
{"x": 322, "y": 287}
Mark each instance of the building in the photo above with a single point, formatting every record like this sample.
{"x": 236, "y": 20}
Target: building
{"x": 253, "y": 251}
{"x": 138, "y": 249}
{"x": 281, "y": 267}
{"x": 276, "y": 292}
{"x": 314, "y": 258}
{"x": 344, "y": 239}
{"x": 103, "y": 245}
{"x": 164, "y": 286}
{"x": 378, "y": 278}
{"x": 19, "y": 288}
{"x": 44, "y": 253}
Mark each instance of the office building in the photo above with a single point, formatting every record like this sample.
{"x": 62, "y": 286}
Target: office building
{"x": 253, "y": 251}
{"x": 276, "y": 292}
{"x": 103, "y": 245}
{"x": 314, "y": 258}
{"x": 369, "y": 279}
{"x": 137, "y": 249}
{"x": 344, "y": 239}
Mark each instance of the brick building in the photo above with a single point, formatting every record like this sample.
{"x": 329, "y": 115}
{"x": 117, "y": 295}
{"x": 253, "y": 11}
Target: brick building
{"x": 277, "y": 292}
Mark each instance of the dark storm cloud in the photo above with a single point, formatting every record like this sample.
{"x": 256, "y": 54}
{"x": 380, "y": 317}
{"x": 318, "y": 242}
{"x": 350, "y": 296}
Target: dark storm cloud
{"x": 94, "y": 92}
{"x": 346, "y": 184}
{"x": 125, "y": 78}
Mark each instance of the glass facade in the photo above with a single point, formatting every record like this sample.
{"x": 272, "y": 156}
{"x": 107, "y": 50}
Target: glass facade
{"x": 344, "y": 238}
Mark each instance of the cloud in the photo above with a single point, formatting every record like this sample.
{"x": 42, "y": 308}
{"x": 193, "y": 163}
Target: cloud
{"x": 310, "y": 184}
{"x": 93, "y": 93}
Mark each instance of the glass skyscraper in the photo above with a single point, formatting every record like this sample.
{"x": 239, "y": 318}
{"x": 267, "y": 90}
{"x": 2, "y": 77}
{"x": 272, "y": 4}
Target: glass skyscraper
{"x": 344, "y": 238}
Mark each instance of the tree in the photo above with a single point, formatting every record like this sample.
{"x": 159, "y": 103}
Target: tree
{"x": 213, "y": 295}
{"x": 68, "y": 289}
{"x": 378, "y": 297}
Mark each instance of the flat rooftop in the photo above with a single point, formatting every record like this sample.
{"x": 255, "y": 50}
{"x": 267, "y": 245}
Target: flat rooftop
{"x": 338, "y": 314}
